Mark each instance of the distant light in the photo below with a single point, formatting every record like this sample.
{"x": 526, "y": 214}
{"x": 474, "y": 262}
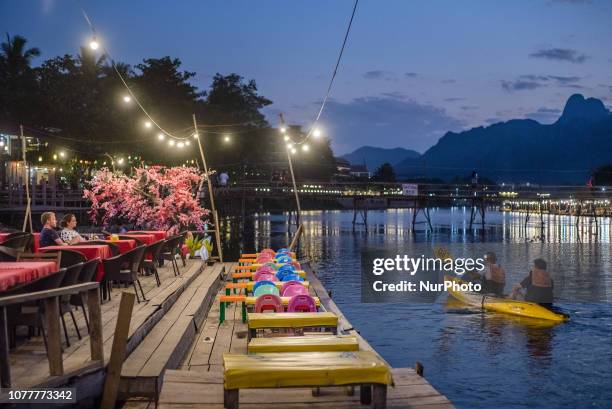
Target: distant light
{"x": 305, "y": 148}
{"x": 283, "y": 129}
{"x": 180, "y": 144}
{"x": 120, "y": 161}
{"x": 93, "y": 44}
{"x": 148, "y": 124}
{"x": 293, "y": 151}
{"x": 187, "y": 143}
{"x": 1, "y": 143}
{"x": 289, "y": 145}
{"x": 226, "y": 138}
{"x": 62, "y": 154}
{"x": 40, "y": 158}
{"x": 55, "y": 156}
{"x": 171, "y": 142}
{"x": 127, "y": 99}
{"x": 286, "y": 138}
{"x": 316, "y": 133}
{"x": 160, "y": 136}
{"x": 195, "y": 135}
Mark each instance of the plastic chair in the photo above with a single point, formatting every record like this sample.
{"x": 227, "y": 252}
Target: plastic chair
{"x": 265, "y": 269}
{"x": 268, "y": 302}
{"x": 262, "y": 282}
{"x": 70, "y": 278}
{"x": 266, "y": 289}
{"x": 88, "y": 274}
{"x": 265, "y": 277}
{"x": 292, "y": 277}
{"x": 68, "y": 257}
{"x": 148, "y": 264}
{"x": 294, "y": 288}
{"x": 268, "y": 251}
{"x": 296, "y": 264}
{"x": 283, "y": 259}
{"x": 264, "y": 258}
{"x": 302, "y": 303}
{"x": 285, "y": 270}
{"x": 272, "y": 265}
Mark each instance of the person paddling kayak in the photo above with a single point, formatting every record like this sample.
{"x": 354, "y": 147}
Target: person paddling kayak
{"x": 538, "y": 285}
{"x": 494, "y": 276}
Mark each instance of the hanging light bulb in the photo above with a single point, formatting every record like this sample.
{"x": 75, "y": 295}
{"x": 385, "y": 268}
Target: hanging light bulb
{"x": 293, "y": 151}
{"x": 187, "y": 143}
{"x": 127, "y": 99}
{"x": 305, "y": 148}
{"x": 226, "y": 138}
{"x": 180, "y": 145}
{"x": 316, "y": 133}
{"x": 148, "y": 124}
{"x": 160, "y": 136}
{"x": 195, "y": 135}
{"x": 93, "y": 44}
{"x": 286, "y": 138}
{"x": 171, "y": 142}
{"x": 283, "y": 129}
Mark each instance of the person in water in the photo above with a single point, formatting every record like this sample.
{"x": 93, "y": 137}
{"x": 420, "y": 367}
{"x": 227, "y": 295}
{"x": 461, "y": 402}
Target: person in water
{"x": 493, "y": 276}
{"x": 538, "y": 285}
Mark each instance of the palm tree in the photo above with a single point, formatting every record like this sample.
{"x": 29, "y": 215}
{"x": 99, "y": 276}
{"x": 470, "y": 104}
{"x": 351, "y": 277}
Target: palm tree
{"x": 15, "y": 58}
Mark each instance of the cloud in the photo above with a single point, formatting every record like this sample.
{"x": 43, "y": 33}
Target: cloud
{"x": 395, "y": 95}
{"x": 449, "y": 81}
{"x": 469, "y": 107}
{"x": 492, "y": 121}
{"x": 520, "y": 85}
{"x": 386, "y": 122}
{"x": 531, "y": 81}
{"x": 545, "y": 115}
{"x": 454, "y": 99}
{"x": 411, "y": 74}
{"x": 560, "y": 54}
{"x": 379, "y": 75}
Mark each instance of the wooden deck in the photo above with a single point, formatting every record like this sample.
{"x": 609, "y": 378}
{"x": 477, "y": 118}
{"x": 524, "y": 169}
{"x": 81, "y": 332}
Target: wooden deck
{"x": 199, "y": 382}
{"x": 29, "y": 366}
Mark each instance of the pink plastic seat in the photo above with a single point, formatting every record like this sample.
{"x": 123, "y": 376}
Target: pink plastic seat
{"x": 264, "y": 258}
{"x": 268, "y": 251}
{"x": 291, "y": 288}
{"x": 302, "y": 303}
{"x": 265, "y": 269}
{"x": 268, "y": 302}
{"x": 265, "y": 276}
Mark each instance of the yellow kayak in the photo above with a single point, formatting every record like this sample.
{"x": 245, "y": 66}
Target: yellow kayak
{"x": 504, "y": 305}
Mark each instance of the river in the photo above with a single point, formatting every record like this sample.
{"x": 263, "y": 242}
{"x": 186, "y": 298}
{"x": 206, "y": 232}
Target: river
{"x": 478, "y": 360}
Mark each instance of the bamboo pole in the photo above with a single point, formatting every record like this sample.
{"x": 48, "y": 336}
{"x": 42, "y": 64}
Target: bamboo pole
{"x": 28, "y": 212}
{"x": 210, "y": 192}
{"x": 295, "y": 191}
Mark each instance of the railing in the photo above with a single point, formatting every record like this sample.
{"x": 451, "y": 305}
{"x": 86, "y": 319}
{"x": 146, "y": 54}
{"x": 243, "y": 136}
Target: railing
{"x": 50, "y": 298}
{"x": 41, "y": 195}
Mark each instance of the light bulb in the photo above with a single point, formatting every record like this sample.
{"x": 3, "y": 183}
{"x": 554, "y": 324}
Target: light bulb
{"x": 286, "y": 138}
{"x": 283, "y": 129}
{"x": 187, "y": 143}
{"x": 93, "y": 44}
{"x": 305, "y": 148}
{"x": 293, "y": 151}
{"x": 180, "y": 144}
{"x": 226, "y": 138}
{"x": 148, "y": 124}
{"x": 160, "y": 136}
{"x": 127, "y": 99}
{"x": 316, "y": 133}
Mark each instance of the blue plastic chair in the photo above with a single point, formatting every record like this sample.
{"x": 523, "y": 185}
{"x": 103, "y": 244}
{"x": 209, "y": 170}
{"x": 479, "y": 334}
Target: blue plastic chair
{"x": 260, "y": 283}
{"x": 266, "y": 289}
{"x": 291, "y": 277}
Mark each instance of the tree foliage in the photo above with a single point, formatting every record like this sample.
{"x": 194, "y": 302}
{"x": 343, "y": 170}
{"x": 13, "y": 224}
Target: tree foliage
{"x": 384, "y": 173}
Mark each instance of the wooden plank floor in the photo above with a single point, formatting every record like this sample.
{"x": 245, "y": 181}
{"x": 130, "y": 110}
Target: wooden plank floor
{"x": 199, "y": 382}
{"x": 29, "y": 365}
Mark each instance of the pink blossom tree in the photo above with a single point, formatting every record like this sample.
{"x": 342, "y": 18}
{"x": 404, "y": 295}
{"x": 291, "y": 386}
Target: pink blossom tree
{"x": 156, "y": 197}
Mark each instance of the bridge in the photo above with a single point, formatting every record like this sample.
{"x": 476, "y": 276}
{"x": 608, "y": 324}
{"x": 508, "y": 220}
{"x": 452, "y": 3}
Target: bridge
{"x": 244, "y": 197}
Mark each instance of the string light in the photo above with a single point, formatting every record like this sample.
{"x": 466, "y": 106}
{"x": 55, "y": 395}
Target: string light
{"x": 180, "y": 145}
{"x": 93, "y": 44}
{"x": 286, "y": 138}
{"x": 316, "y": 133}
{"x": 55, "y": 156}
{"x": 226, "y": 138}
{"x": 171, "y": 142}
{"x": 62, "y": 154}
{"x": 195, "y": 135}
{"x": 293, "y": 151}
{"x": 160, "y": 136}
{"x": 283, "y": 129}
{"x": 148, "y": 124}
{"x": 127, "y": 99}
{"x": 305, "y": 148}
{"x": 187, "y": 143}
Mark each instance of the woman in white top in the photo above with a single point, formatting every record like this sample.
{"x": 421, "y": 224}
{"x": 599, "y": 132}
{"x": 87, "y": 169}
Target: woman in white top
{"x": 68, "y": 234}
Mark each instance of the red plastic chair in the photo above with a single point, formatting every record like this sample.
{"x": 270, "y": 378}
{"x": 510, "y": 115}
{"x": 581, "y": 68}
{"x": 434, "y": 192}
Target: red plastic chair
{"x": 264, "y": 258}
{"x": 302, "y": 303}
{"x": 291, "y": 288}
{"x": 268, "y": 302}
{"x": 268, "y": 251}
{"x": 265, "y": 276}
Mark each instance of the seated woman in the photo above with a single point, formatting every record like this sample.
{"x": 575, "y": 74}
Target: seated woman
{"x": 68, "y": 234}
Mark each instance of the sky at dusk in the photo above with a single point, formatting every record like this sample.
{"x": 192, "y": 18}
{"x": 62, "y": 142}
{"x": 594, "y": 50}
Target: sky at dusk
{"x": 412, "y": 70}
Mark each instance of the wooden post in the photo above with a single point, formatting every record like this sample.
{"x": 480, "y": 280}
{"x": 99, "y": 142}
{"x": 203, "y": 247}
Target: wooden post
{"x": 298, "y": 233}
{"x": 28, "y": 212}
{"x": 379, "y": 396}
{"x": 418, "y": 367}
{"x": 54, "y": 338}
{"x": 213, "y": 208}
{"x": 113, "y": 371}
{"x": 96, "y": 341}
{"x": 5, "y": 366}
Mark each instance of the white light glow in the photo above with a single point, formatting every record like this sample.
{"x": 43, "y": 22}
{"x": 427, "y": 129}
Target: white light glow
{"x": 171, "y": 142}
{"x": 305, "y": 148}
{"x": 161, "y": 136}
{"x": 93, "y": 44}
{"x": 127, "y": 99}
{"x": 316, "y": 133}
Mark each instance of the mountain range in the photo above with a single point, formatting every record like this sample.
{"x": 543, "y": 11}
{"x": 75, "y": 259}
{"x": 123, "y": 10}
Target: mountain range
{"x": 522, "y": 150}
{"x": 373, "y": 157}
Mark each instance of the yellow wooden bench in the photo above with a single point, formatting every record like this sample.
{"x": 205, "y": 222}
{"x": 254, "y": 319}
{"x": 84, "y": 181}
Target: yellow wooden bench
{"x": 291, "y": 320}
{"x": 248, "y": 286}
{"x": 307, "y": 370}
{"x": 309, "y": 343}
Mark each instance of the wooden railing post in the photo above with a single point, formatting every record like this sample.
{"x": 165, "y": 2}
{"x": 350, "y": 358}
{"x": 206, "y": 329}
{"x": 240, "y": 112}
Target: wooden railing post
{"x": 95, "y": 325}
{"x": 5, "y": 367}
{"x": 54, "y": 339}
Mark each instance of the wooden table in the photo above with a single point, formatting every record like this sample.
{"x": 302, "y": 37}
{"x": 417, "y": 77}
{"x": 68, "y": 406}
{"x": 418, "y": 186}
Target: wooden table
{"x": 90, "y": 251}
{"x": 21, "y": 272}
